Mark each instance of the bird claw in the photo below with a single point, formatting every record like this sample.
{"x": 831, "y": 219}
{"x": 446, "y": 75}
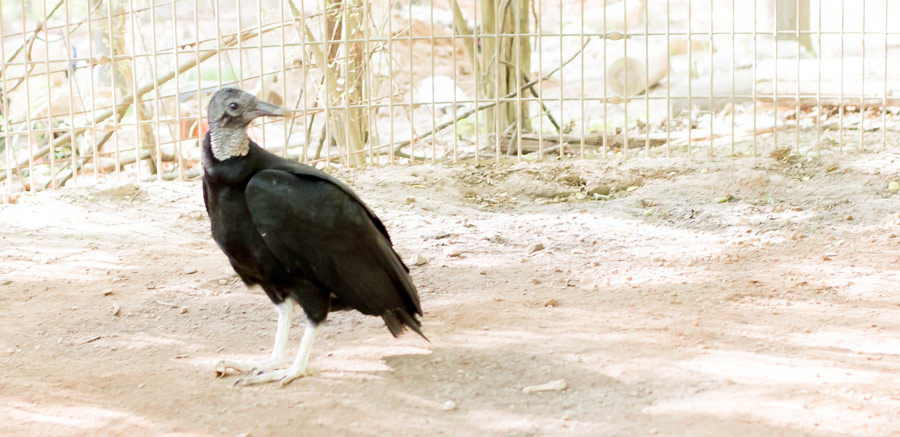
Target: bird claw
{"x": 284, "y": 376}
{"x": 287, "y": 379}
{"x": 224, "y": 367}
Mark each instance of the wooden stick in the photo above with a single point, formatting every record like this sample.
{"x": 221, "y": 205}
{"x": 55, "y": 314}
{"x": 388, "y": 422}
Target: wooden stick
{"x": 612, "y": 140}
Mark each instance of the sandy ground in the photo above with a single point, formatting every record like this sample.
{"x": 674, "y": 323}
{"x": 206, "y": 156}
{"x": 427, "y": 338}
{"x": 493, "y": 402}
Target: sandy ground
{"x": 665, "y": 310}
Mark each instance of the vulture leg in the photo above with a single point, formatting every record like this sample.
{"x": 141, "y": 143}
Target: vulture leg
{"x": 297, "y": 370}
{"x": 279, "y": 351}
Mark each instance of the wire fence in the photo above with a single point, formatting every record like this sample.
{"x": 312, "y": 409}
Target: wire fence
{"x": 117, "y": 89}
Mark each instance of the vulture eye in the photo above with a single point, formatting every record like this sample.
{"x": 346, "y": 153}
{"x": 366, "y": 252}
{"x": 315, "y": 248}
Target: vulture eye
{"x": 233, "y": 106}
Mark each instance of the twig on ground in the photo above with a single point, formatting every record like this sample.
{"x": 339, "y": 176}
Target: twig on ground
{"x": 133, "y": 196}
{"x": 92, "y": 339}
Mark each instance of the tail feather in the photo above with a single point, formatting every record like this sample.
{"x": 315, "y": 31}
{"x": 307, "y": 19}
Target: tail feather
{"x": 397, "y": 320}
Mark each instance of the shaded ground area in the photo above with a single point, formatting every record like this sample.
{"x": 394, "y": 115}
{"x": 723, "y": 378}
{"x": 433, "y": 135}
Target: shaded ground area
{"x": 742, "y": 297}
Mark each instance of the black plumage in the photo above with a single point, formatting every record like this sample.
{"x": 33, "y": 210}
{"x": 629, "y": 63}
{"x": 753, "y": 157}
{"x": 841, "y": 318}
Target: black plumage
{"x": 297, "y": 232}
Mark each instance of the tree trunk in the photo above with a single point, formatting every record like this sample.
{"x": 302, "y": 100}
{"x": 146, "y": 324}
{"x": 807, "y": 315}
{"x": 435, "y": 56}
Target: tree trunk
{"x": 500, "y": 57}
{"x": 123, "y": 73}
{"x": 348, "y": 126}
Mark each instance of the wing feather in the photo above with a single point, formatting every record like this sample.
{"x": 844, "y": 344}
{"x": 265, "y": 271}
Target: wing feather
{"x": 321, "y": 230}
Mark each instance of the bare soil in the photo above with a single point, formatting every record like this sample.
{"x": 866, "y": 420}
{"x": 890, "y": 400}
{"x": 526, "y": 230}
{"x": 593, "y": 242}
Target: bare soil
{"x": 736, "y": 297}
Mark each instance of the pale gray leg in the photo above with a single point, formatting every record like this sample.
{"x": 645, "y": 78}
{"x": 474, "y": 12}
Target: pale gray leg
{"x": 298, "y": 368}
{"x": 279, "y": 351}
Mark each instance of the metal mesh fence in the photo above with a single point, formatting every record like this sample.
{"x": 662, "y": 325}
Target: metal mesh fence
{"x": 117, "y": 89}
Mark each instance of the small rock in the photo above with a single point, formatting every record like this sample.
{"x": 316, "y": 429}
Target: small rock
{"x": 107, "y": 292}
{"x": 601, "y": 190}
{"x": 449, "y": 405}
{"x": 569, "y": 177}
{"x": 555, "y": 385}
{"x": 183, "y": 310}
{"x": 536, "y": 247}
{"x": 223, "y": 282}
{"x": 551, "y": 303}
{"x": 452, "y": 252}
{"x": 420, "y": 260}
{"x": 116, "y": 309}
{"x": 189, "y": 270}
{"x": 580, "y": 196}
{"x": 894, "y": 186}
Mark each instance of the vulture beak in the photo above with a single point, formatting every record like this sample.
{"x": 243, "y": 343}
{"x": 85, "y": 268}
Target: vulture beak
{"x": 265, "y": 109}
{"x": 261, "y": 109}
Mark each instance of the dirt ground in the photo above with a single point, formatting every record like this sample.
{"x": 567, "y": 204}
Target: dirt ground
{"x": 736, "y": 297}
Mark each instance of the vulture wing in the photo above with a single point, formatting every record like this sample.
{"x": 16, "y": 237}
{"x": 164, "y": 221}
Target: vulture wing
{"x": 321, "y": 230}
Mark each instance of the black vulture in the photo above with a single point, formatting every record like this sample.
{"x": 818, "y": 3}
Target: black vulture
{"x": 299, "y": 233}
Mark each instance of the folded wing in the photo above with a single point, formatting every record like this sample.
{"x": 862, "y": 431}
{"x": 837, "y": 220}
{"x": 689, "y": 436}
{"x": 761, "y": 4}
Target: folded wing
{"x": 322, "y": 231}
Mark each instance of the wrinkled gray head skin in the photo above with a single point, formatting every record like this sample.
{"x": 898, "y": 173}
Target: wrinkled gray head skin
{"x": 230, "y": 111}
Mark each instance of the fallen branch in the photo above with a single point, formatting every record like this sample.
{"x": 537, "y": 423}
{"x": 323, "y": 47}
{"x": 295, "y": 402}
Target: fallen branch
{"x": 831, "y": 102}
{"x": 227, "y": 41}
{"x": 79, "y": 164}
{"x": 530, "y": 142}
{"x": 90, "y": 157}
{"x": 488, "y": 105}
{"x": 108, "y": 164}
